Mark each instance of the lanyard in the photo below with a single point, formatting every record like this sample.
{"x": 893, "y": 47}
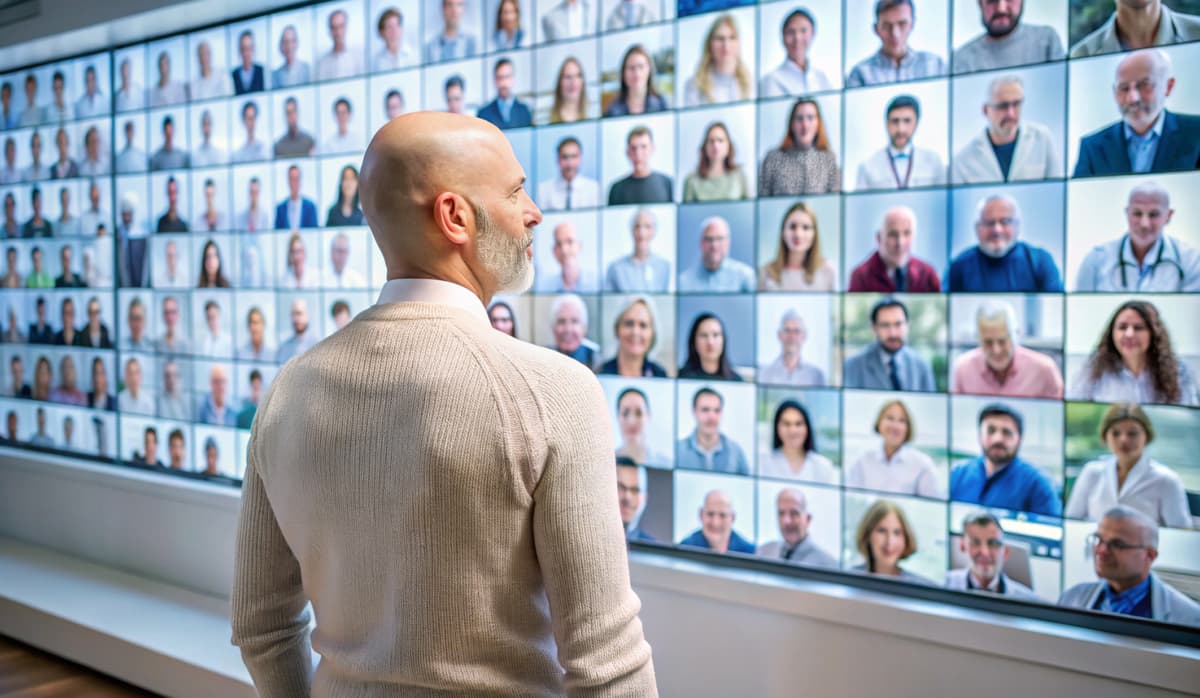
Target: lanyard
{"x": 907, "y": 174}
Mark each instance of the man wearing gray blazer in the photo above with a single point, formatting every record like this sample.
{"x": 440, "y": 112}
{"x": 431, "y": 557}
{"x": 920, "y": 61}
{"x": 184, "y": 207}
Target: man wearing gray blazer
{"x": 887, "y": 364}
{"x": 1124, "y": 547}
{"x": 796, "y": 545}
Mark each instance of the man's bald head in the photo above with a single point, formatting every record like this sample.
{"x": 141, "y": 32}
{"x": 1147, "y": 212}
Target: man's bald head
{"x": 430, "y": 183}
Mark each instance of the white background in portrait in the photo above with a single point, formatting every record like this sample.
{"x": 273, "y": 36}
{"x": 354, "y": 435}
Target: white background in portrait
{"x": 283, "y": 330}
{"x": 736, "y": 311}
{"x": 312, "y": 116}
{"x": 226, "y": 438}
{"x": 690, "y": 489}
{"x": 825, "y": 49}
{"x": 356, "y": 27}
{"x": 549, "y": 62}
{"x": 1045, "y": 571}
{"x": 330, "y": 187}
{"x": 358, "y": 300}
{"x": 615, "y": 166}
{"x": 308, "y": 185}
{"x": 866, "y": 119}
{"x": 1093, "y": 105}
{"x": 522, "y": 74}
{"x": 137, "y": 185}
{"x": 150, "y": 328}
{"x": 220, "y": 178}
{"x": 258, "y": 28}
{"x": 617, "y": 223}
{"x": 313, "y": 263}
{"x": 546, "y": 164}
{"x": 661, "y": 422}
{"x": 136, "y": 55}
{"x": 663, "y": 309}
{"x": 689, "y": 49}
{"x": 864, "y": 218}
{"x": 178, "y": 116}
{"x": 819, "y": 313}
{"x": 824, "y": 406}
{"x": 355, "y": 92}
{"x": 220, "y": 135}
{"x": 740, "y": 217}
{"x": 658, "y": 39}
{"x": 407, "y": 82}
{"x": 737, "y": 415}
{"x": 930, "y": 32}
{"x": 242, "y": 303}
{"x": 968, "y": 21}
{"x": 242, "y": 174}
{"x": 773, "y": 123}
{"x": 184, "y": 269}
{"x": 1044, "y": 103}
{"x": 547, "y": 268}
{"x": 226, "y": 245}
{"x": 264, "y": 122}
{"x": 1041, "y": 208}
{"x": 1089, "y": 315}
{"x": 693, "y": 127}
{"x": 471, "y": 23}
{"x": 410, "y": 29}
{"x": 1041, "y": 441}
{"x": 1039, "y": 322}
{"x": 302, "y": 21}
{"x": 543, "y": 320}
{"x": 1096, "y": 210}
{"x": 823, "y": 503}
{"x": 470, "y": 70}
{"x": 860, "y": 409}
{"x": 224, "y": 300}
{"x": 181, "y": 66}
{"x": 158, "y": 196}
{"x": 607, "y": 7}
{"x": 828, "y": 211}
{"x": 926, "y": 517}
{"x": 77, "y": 80}
{"x": 219, "y": 54}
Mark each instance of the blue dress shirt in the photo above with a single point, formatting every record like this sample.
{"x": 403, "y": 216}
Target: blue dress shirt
{"x": 1131, "y": 602}
{"x": 1017, "y": 486}
{"x": 1142, "y": 148}
{"x": 737, "y": 544}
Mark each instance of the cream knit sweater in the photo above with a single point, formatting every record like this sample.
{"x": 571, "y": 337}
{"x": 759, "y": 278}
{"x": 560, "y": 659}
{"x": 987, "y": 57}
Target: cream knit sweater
{"x": 443, "y": 494}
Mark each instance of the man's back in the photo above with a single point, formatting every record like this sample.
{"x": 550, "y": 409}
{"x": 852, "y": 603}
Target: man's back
{"x": 443, "y": 488}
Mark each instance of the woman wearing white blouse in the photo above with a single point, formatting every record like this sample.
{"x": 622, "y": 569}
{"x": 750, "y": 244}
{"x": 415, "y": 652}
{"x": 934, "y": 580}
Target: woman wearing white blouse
{"x": 297, "y": 275}
{"x": 793, "y": 453}
{"x": 895, "y": 466}
{"x": 721, "y": 76}
{"x": 1129, "y": 476}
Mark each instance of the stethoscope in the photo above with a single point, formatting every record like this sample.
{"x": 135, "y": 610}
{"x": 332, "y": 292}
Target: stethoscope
{"x": 1154, "y": 265}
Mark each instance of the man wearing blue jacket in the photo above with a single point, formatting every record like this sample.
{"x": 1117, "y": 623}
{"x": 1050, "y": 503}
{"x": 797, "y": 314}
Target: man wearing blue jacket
{"x": 505, "y": 111}
{"x": 1000, "y": 262}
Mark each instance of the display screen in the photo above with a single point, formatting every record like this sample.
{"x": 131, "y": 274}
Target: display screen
{"x": 902, "y": 288}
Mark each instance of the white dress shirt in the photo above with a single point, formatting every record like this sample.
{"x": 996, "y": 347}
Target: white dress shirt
{"x": 1150, "y": 487}
{"x": 251, "y": 151}
{"x": 817, "y": 468}
{"x": 219, "y": 344}
{"x": 913, "y": 167}
{"x": 215, "y": 85}
{"x": 790, "y": 79}
{"x": 133, "y": 98}
{"x": 142, "y": 404}
{"x": 909, "y": 471}
{"x": 307, "y": 279}
{"x": 585, "y": 193}
{"x": 171, "y": 93}
{"x": 433, "y": 291}
{"x": 332, "y": 65}
{"x": 385, "y": 60}
{"x": 347, "y": 142}
{"x": 349, "y": 278}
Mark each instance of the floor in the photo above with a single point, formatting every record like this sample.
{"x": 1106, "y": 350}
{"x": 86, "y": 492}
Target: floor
{"x": 26, "y": 672}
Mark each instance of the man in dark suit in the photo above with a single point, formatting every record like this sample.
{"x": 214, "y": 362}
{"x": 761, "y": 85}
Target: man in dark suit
{"x": 39, "y": 331}
{"x": 505, "y": 111}
{"x": 888, "y": 363}
{"x": 1148, "y": 138}
{"x": 295, "y": 211}
{"x": 248, "y": 77}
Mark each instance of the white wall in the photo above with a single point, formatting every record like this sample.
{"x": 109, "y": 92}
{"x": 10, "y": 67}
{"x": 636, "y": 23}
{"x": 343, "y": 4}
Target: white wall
{"x": 714, "y": 632}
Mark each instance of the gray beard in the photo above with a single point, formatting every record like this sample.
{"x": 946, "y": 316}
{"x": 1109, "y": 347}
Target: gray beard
{"x": 503, "y": 256}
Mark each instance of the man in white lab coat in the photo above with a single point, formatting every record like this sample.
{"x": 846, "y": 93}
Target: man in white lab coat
{"x": 1008, "y": 149}
{"x": 901, "y": 165}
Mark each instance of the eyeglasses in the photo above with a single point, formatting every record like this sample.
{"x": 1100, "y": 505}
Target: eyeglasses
{"x": 624, "y": 489}
{"x": 1005, "y": 106}
{"x": 1143, "y": 85}
{"x": 993, "y": 222}
{"x": 991, "y": 543}
{"x": 1114, "y": 544}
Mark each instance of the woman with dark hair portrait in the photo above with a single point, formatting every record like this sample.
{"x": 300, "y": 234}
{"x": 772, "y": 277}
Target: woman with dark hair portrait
{"x": 502, "y": 317}
{"x": 212, "y": 272}
{"x": 895, "y": 466}
{"x": 636, "y": 335}
{"x": 798, "y": 264}
{"x": 638, "y": 94}
{"x": 1127, "y": 475}
{"x": 721, "y": 75}
{"x": 346, "y": 211}
{"x": 1134, "y": 362}
{"x": 633, "y": 421}
{"x": 570, "y": 93}
{"x": 43, "y": 376}
{"x": 707, "y": 357}
{"x": 99, "y": 397}
{"x": 885, "y": 538}
{"x": 804, "y": 163}
{"x": 718, "y": 177}
{"x": 793, "y": 454}
{"x": 508, "y": 33}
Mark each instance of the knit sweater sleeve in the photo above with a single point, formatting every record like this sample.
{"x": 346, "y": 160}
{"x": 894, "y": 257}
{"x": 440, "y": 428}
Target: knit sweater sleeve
{"x": 581, "y": 548}
{"x": 269, "y": 610}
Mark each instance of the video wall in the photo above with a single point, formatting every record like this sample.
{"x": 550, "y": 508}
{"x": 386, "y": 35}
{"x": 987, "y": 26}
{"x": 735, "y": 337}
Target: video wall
{"x": 903, "y": 288}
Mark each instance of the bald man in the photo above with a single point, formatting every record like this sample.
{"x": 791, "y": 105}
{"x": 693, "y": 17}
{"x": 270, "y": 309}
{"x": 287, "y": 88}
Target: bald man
{"x": 1149, "y": 137}
{"x": 464, "y": 478}
{"x": 892, "y": 268}
{"x": 716, "y": 527}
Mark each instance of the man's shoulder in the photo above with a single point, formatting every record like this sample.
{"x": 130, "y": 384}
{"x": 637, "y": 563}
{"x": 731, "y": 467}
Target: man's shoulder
{"x": 1096, "y": 138}
{"x": 1186, "y": 122}
{"x": 1079, "y": 594}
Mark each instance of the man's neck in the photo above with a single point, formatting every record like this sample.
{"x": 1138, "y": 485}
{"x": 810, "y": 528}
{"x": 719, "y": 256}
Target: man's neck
{"x": 1140, "y": 251}
{"x": 980, "y": 582}
{"x": 1121, "y": 586}
{"x": 992, "y": 467}
{"x": 708, "y": 441}
{"x": 895, "y": 58}
{"x": 1138, "y": 28}
{"x": 641, "y": 171}
{"x": 1147, "y": 128}
{"x": 802, "y": 63}
{"x": 719, "y": 545}
{"x": 640, "y": 254}
{"x": 893, "y": 266}
{"x": 570, "y": 275}
{"x": 997, "y": 139}
{"x": 791, "y": 360}
{"x": 1000, "y": 375}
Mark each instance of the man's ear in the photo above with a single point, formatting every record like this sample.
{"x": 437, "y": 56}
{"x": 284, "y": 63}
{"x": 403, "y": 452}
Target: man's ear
{"x": 454, "y": 217}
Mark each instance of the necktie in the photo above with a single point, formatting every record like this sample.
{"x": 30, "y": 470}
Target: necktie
{"x": 568, "y": 206}
{"x": 893, "y": 373}
{"x": 788, "y": 553}
{"x": 900, "y": 280}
